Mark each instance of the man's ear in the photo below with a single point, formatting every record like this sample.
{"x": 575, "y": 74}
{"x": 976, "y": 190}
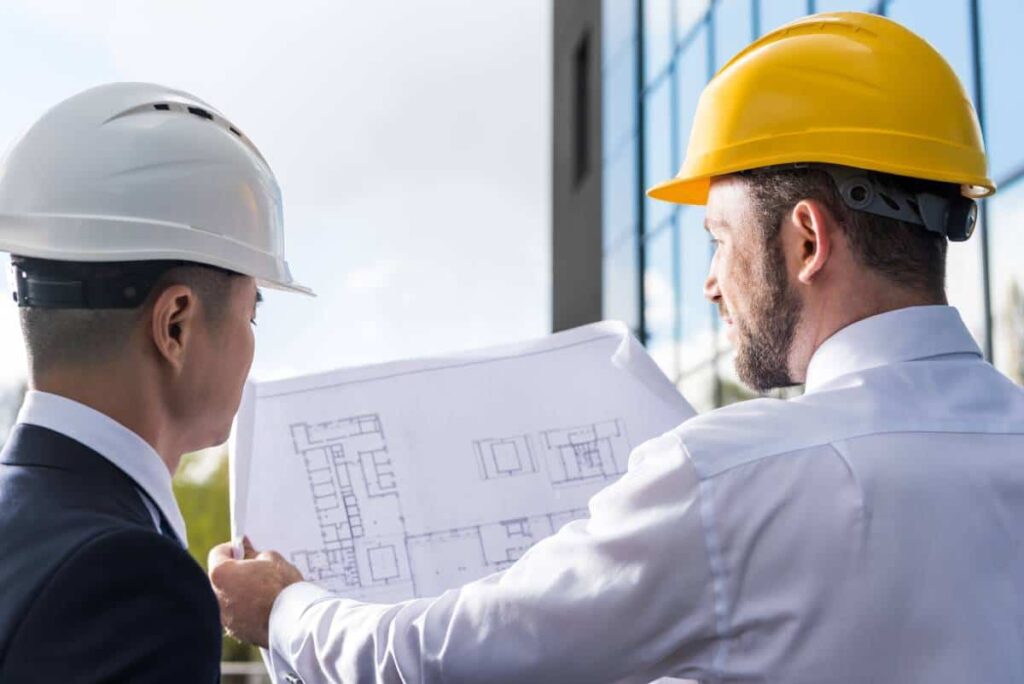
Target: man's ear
{"x": 813, "y": 232}
{"x": 173, "y": 323}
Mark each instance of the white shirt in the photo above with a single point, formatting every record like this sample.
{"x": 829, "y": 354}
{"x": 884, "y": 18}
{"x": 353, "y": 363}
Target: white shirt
{"x": 114, "y": 442}
{"x": 871, "y": 530}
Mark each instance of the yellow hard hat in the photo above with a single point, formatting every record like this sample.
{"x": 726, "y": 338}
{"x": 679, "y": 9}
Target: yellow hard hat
{"x": 843, "y": 88}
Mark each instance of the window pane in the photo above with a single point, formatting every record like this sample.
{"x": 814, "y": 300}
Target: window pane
{"x": 698, "y": 386}
{"x": 619, "y": 284}
{"x": 733, "y": 29}
{"x": 846, "y": 6}
{"x": 688, "y": 14}
{"x": 698, "y": 343}
{"x": 691, "y": 76}
{"x": 657, "y": 152}
{"x": 657, "y": 37}
{"x": 1003, "y": 52}
{"x": 619, "y": 103}
{"x": 660, "y": 300}
{"x": 964, "y": 285}
{"x": 1006, "y": 243}
{"x": 619, "y": 195}
{"x": 948, "y": 30}
{"x": 775, "y": 13}
{"x": 618, "y": 28}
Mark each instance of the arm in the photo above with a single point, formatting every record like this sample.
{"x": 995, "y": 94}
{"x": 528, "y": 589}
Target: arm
{"x": 623, "y": 596}
{"x": 127, "y": 605}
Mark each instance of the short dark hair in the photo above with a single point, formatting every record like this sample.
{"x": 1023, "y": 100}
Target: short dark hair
{"x": 906, "y": 254}
{"x": 56, "y": 337}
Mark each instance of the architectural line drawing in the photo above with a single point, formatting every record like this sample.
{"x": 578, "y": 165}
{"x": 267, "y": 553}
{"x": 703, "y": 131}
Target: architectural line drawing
{"x": 366, "y": 549}
{"x": 586, "y": 453}
{"x": 507, "y": 457}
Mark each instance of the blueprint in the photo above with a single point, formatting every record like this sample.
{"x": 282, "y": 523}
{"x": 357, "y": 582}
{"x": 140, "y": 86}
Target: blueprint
{"x": 407, "y": 479}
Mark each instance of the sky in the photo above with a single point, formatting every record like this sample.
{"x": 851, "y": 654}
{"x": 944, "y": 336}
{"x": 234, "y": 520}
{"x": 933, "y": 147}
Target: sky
{"x": 411, "y": 141}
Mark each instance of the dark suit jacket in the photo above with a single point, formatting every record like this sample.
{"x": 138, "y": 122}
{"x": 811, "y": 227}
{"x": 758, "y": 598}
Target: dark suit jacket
{"x": 90, "y": 591}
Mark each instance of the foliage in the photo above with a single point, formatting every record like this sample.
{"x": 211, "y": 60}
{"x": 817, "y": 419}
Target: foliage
{"x": 201, "y": 487}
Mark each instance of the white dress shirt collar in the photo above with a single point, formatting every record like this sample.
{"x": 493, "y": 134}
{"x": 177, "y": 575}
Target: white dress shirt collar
{"x": 119, "y": 445}
{"x": 912, "y": 333}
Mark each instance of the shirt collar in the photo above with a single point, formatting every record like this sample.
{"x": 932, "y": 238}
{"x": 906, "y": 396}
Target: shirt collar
{"x": 116, "y": 443}
{"x": 909, "y": 334}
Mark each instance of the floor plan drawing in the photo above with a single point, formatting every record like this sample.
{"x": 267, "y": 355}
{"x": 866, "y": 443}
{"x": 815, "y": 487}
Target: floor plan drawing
{"x": 354, "y": 489}
{"x": 410, "y": 478}
{"x": 586, "y": 453}
{"x": 508, "y": 457}
{"x": 453, "y": 557}
{"x": 357, "y": 499}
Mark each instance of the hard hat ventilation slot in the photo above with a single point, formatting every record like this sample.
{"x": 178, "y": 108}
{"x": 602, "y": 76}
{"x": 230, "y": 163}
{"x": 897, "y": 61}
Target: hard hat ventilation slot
{"x": 235, "y": 131}
{"x": 162, "y": 107}
{"x": 200, "y": 112}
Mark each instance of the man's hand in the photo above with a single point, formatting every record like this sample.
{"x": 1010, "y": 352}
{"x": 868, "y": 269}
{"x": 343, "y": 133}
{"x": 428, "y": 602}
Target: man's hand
{"x": 246, "y": 589}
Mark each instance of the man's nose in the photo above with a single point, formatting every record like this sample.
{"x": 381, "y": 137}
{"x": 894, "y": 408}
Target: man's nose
{"x": 711, "y": 291}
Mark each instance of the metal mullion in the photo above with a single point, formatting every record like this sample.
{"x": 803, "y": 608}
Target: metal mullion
{"x": 640, "y": 163}
{"x": 979, "y": 97}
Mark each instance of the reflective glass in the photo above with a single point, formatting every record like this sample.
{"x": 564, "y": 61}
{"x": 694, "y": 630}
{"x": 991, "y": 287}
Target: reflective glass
{"x": 696, "y": 320}
{"x": 618, "y": 95}
{"x": 845, "y": 5}
{"x": 618, "y": 28}
{"x": 964, "y": 285}
{"x": 657, "y": 151}
{"x": 1003, "y": 53}
{"x": 619, "y": 284}
{"x": 688, "y": 14}
{"x": 657, "y": 37}
{"x": 619, "y": 193}
{"x": 948, "y": 30}
{"x": 1006, "y": 244}
{"x": 733, "y": 29}
{"x": 775, "y": 13}
{"x": 660, "y": 299}
{"x": 691, "y": 76}
{"x": 698, "y": 386}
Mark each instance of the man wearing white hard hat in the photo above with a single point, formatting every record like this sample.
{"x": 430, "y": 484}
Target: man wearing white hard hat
{"x": 140, "y": 222}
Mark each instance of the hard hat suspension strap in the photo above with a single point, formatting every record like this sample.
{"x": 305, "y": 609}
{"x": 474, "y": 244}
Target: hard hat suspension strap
{"x": 952, "y": 216}
{"x": 49, "y": 284}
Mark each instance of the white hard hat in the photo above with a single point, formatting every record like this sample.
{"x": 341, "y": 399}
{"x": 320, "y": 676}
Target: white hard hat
{"x": 130, "y": 172}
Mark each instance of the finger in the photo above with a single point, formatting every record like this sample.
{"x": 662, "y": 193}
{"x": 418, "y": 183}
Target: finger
{"x": 250, "y": 550}
{"x": 219, "y": 554}
{"x": 272, "y": 556}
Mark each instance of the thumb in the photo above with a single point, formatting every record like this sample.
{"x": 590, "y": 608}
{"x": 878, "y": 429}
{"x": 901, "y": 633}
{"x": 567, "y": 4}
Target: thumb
{"x": 250, "y": 550}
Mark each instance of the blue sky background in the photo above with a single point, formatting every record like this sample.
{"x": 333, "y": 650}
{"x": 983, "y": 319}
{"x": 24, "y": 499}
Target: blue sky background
{"x": 411, "y": 141}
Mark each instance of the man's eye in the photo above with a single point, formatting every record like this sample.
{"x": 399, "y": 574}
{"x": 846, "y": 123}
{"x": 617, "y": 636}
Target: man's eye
{"x": 253, "y": 321}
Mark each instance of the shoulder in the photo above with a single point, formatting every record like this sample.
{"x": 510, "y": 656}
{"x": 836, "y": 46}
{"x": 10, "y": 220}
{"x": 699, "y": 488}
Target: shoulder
{"x": 753, "y": 430}
{"x": 127, "y": 597}
{"x": 131, "y": 558}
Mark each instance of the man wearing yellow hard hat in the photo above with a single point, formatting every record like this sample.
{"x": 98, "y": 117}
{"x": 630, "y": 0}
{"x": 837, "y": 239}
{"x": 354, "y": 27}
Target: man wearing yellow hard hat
{"x": 867, "y": 531}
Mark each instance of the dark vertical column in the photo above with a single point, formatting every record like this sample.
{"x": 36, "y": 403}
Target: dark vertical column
{"x": 641, "y": 198}
{"x": 576, "y": 167}
{"x": 979, "y": 104}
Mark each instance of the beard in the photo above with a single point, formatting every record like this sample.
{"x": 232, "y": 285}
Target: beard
{"x": 765, "y": 337}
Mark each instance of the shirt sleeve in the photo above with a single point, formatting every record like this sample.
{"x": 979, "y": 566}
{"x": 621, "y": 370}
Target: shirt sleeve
{"x": 624, "y": 596}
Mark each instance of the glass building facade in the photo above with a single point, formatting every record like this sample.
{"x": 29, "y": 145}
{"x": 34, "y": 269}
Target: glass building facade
{"x": 656, "y": 57}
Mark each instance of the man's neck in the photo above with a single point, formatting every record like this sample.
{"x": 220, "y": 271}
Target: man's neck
{"x": 113, "y": 392}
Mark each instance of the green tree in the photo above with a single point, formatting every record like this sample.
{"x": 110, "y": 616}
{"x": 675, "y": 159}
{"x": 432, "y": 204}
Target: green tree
{"x": 201, "y": 487}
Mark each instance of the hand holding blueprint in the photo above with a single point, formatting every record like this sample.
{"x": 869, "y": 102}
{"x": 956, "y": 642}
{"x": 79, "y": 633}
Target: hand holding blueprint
{"x": 406, "y": 479}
